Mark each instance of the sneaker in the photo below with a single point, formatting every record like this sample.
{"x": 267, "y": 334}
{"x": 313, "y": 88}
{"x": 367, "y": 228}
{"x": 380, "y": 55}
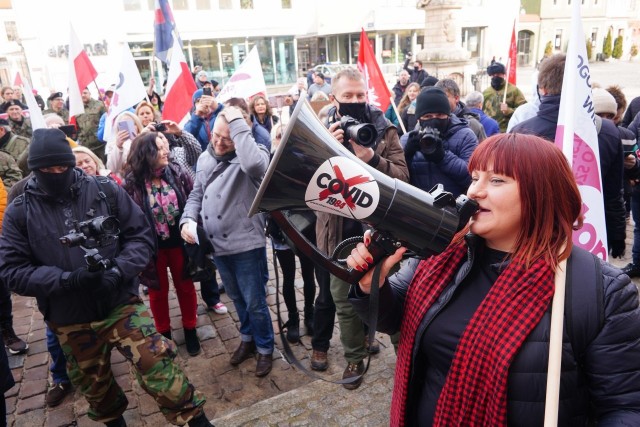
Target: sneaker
{"x": 319, "y": 360}
{"x": 631, "y": 270}
{"x": 353, "y": 370}
{"x": 219, "y": 308}
{"x": 11, "y": 341}
{"x": 57, "y": 393}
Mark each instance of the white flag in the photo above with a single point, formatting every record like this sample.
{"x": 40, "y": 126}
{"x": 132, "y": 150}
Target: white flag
{"x": 35, "y": 114}
{"x": 576, "y": 135}
{"x": 247, "y": 81}
{"x": 129, "y": 91}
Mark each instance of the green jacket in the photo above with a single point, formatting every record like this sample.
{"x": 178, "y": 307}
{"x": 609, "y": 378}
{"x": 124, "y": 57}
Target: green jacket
{"x": 10, "y": 173}
{"x": 493, "y": 99}
{"x": 16, "y": 145}
{"x": 23, "y": 129}
{"x": 87, "y": 124}
{"x": 64, "y": 113}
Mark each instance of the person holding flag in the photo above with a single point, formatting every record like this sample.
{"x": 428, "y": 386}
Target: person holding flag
{"x": 610, "y": 148}
{"x": 349, "y": 94}
{"x": 475, "y": 319}
{"x": 496, "y": 105}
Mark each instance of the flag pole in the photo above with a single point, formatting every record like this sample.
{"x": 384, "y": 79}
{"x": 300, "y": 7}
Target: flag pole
{"x": 395, "y": 109}
{"x": 506, "y": 86}
{"x": 555, "y": 347}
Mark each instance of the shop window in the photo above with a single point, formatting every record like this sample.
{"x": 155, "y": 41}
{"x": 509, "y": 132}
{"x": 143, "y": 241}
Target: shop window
{"x": 131, "y": 5}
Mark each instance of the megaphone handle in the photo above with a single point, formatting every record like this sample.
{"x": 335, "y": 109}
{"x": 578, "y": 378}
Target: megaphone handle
{"x": 381, "y": 246}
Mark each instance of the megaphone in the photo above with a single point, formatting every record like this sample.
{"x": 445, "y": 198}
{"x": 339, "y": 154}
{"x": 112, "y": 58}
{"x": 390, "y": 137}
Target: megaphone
{"x": 312, "y": 170}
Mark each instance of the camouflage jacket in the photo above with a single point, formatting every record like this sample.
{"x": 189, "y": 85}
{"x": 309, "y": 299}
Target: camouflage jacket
{"x": 16, "y": 145}
{"x": 10, "y": 173}
{"x": 493, "y": 99}
{"x": 87, "y": 124}
{"x": 23, "y": 129}
{"x": 64, "y": 113}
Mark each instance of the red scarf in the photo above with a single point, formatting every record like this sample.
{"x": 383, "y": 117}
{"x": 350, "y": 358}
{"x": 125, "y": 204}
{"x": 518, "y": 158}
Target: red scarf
{"x": 475, "y": 391}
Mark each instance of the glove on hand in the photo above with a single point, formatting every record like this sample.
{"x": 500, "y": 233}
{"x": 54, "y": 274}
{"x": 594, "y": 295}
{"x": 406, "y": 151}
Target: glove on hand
{"x": 232, "y": 113}
{"x": 616, "y": 248}
{"x": 431, "y": 145}
{"x": 81, "y": 278}
{"x": 111, "y": 281}
{"x": 412, "y": 146}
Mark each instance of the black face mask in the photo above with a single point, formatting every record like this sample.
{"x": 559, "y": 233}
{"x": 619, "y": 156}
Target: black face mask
{"x": 415, "y": 68}
{"x": 497, "y": 82}
{"x": 56, "y": 184}
{"x": 441, "y": 125}
{"x": 357, "y": 110}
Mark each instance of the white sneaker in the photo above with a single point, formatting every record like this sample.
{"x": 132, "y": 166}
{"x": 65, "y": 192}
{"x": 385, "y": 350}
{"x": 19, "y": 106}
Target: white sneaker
{"x": 220, "y": 308}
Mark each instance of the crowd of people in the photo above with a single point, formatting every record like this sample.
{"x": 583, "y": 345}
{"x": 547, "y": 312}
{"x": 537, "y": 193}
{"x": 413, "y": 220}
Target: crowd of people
{"x": 158, "y": 203}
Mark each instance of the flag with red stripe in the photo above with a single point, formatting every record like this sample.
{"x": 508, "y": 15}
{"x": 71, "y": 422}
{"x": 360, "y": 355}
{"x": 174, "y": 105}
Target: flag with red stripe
{"x": 180, "y": 88}
{"x": 81, "y": 73}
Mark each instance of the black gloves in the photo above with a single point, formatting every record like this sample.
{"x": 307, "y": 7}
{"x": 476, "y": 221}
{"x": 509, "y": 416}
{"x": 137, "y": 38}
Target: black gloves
{"x": 111, "y": 281}
{"x": 81, "y": 279}
{"x": 412, "y": 146}
{"x": 616, "y": 248}
{"x": 431, "y": 145}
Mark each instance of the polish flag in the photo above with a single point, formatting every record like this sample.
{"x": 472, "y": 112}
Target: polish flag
{"x": 81, "y": 73}
{"x": 180, "y": 87}
{"x": 378, "y": 93}
{"x": 576, "y": 135}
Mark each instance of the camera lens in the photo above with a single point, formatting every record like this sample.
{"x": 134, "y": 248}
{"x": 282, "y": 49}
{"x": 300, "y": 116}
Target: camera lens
{"x": 366, "y": 137}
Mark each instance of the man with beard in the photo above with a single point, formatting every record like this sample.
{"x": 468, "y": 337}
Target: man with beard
{"x": 495, "y": 105}
{"x": 401, "y": 86}
{"x": 348, "y": 97}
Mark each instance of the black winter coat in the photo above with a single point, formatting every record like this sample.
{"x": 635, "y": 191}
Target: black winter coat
{"x": 32, "y": 259}
{"x": 603, "y": 378}
{"x": 6, "y": 377}
{"x": 611, "y": 161}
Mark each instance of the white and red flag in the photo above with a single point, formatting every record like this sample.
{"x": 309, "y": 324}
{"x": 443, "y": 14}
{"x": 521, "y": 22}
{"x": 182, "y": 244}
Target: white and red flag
{"x": 129, "y": 91}
{"x": 577, "y": 137}
{"x": 378, "y": 93}
{"x": 81, "y": 73}
{"x": 247, "y": 81}
{"x": 180, "y": 87}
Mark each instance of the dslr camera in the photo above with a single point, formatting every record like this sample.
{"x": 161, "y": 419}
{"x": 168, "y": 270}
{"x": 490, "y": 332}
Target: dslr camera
{"x": 429, "y": 139}
{"x": 160, "y": 127}
{"x": 90, "y": 235}
{"x": 364, "y": 134}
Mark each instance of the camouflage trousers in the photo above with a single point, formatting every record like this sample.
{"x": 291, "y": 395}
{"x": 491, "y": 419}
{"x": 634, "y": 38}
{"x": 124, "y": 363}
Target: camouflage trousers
{"x": 130, "y": 329}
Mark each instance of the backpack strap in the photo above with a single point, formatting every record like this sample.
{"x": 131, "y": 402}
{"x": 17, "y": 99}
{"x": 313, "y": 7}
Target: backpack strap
{"x": 107, "y": 192}
{"x": 582, "y": 268}
{"x": 20, "y": 206}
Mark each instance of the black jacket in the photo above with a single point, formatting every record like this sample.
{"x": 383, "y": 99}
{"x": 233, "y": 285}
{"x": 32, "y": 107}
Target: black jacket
{"x": 6, "y": 378}
{"x": 32, "y": 259}
{"x": 604, "y": 377}
{"x": 611, "y": 161}
{"x": 417, "y": 76}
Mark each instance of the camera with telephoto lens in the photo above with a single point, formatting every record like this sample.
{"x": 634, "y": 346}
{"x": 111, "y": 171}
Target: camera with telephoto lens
{"x": 429, "y": 138}
{"x": 160, "y": 127}
{"x": 90, "y": 235}
{"x": 364, "y": 134}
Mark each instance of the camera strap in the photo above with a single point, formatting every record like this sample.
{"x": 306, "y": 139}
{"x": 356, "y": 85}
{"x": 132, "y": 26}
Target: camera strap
{"x": 107, "y": 192}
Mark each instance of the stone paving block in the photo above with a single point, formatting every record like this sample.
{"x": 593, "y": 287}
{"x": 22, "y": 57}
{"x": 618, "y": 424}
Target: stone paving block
{"x": 37, "y": 373}
{"x": 19, "y": 312}
{"x": 37, "y": 347}
{"x": 213, "y": 347}
{"x": 228, "y": 332}
{"x": 222, "y": 320}
{"x": 122, "y": 368}
{"x": 206, "y": 332}
{"x": 117, "y": 357}
{"x": 31, "y": 388}
{"x": 154, "y": 420}
{"x": 124, "y": 381}
{"x": 34, "y": 418}
{"x": 22, "y": 330}
{"x": 132, "y": 398}
{"x": 60, "y": 416}
{"x": 17, "y": 374}
{"x": 147, "y": 405}
{"x": 16, "y": 360}
{"x": 21, "y": 321}
{"x": 10, "y": 402}
{"x": 36, "y": 360}
{"x": 37, "y": 335}
{"x": 30, "y": 404}
{"x": 13, "y": 391}
{"x": 80, "y": 405}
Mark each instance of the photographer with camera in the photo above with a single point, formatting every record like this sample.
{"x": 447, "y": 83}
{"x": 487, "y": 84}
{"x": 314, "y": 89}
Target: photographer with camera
{"x": 91, "y": 310}
{"x": 439, "y": 151}
{"x": 206, "y": 109}
{"x": 364, "y": 131}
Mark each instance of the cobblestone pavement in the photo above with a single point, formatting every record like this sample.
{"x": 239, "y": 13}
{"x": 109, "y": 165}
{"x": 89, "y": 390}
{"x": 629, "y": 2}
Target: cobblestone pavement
{"x": 235, "y": 396}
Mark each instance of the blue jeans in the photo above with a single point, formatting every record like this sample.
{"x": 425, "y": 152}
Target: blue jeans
{"x": 210, "y": 291}
{"x": 243, "y": 278}
{"x": 635, "y": 212}
{"x": 58, "y": 365}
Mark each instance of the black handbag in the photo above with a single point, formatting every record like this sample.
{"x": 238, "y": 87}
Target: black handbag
{"x": 200, "y": 265}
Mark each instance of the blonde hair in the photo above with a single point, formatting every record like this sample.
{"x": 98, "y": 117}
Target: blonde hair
{"x": 128, "y": 115}
{"x": 88, "y": 152}
{"x": 149, "y": 105}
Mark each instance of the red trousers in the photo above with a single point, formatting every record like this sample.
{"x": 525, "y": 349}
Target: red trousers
{"x": 172, "y": 258}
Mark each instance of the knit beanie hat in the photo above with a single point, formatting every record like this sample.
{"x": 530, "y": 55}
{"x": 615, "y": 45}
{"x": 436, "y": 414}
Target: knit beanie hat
{"x": 603, "y": 101}
{"x": 429, "y": 81}
{"x": 432, "y": 100}
{"x": 496, "y": 68}
{"x": 49, "y": 147}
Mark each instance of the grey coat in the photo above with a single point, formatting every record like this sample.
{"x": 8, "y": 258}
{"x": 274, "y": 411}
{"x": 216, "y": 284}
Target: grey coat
{"x": 223, "y": 203}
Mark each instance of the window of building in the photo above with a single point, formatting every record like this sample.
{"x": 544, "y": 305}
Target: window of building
{"x": 285, "y": 60}
{"x": 558, "y": 40}
{"x": 246, "y": 4}
{"x": 180, "y": 4}
{"x": 225, "y": 4}
{"x": 205, "y": 54}
{"x": 286, "y": 4}
{"x": 131, "y": 4}
{"x": 12, "y": 30}
{"x": 471, "y": 40}
{"x": 594, "y": 37}
{"x": 203, "y": 4}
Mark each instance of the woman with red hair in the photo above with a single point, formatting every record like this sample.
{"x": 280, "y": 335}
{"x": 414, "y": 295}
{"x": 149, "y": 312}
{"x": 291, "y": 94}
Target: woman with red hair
{"x": 475, "y": 319}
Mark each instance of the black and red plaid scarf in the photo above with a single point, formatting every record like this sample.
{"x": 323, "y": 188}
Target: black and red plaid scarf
{"x": 475, "y": 391}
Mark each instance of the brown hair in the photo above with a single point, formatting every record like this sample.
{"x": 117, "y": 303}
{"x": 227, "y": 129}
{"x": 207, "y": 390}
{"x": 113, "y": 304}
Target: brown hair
{"x": 256, "y": 98}
{"x": 551, "y": 74}
{"x": 549, "y": 195}
{"x": 618, "y": 95}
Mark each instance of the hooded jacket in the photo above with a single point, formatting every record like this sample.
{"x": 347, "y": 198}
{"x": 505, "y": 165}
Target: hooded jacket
{"x": 32, "y": 259}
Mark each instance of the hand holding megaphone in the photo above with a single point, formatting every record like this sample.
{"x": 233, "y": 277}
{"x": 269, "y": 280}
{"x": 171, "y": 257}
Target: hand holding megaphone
{"x": 362, "y": 260}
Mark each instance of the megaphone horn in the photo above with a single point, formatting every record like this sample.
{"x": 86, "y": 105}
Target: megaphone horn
{"x": 312, "y": 170}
